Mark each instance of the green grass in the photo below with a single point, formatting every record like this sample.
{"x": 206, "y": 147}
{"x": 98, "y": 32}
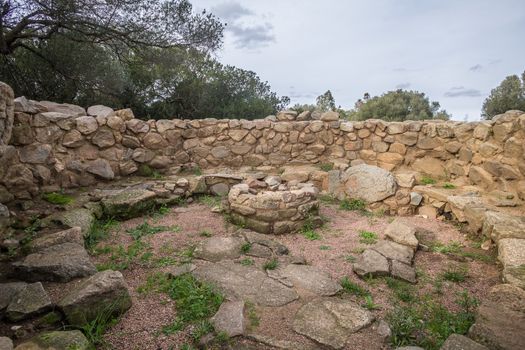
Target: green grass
{"x": 145, "y": 229}
{"x": 367, "y": 237}
{"x": 327, "y": 166}
{"x": 201, "y": 329}
{"x": 194, "y": 301}
{"x": 165, "y": 261}
{"x": 205, "y": 233}
{"x": 197, "y": 171}
{"x": 156, "y": 282}
{"x": 455, "y": 274}
{"x": 186, "y": 255}
{"x": 57, "y": 198}
{"x": 210, "y": 201}
{"x": 327, "y": 198}
{"x": 95, "y": 329}
{"x": 352, "y": 204}
{"x": 121, "y": 258}
{"x": 350, "y": 259}
{"x": 325, "y": 247}
{"x": 426, "y": 323}
{"x": 247, "y": 262}
{"x": 310, "y": 234}
{"x": 271, "y": 264}
{"x": 401, "y": 290}
{"x": 427, "y": 180}
{"x": 252, "y": 316}
{"x": 453, "y": 247}
{"x": 369, "y": 303}
{"x": 246, "y": 247}
{"x": 98, "y": 231}
{"x": 353, "y": 288}
{"x": 449, "y": 186}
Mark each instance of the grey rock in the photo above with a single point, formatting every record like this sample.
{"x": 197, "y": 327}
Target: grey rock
{"x": 230, "y": 318}
{"x": 312, "y": 279}
{"x": 403, "y": 271}
{"x": 371, "y": 263}
{"x": 369, "y": 183}
{"x": 100, "y": 111}
{"x": 415, "y": 198}
{"x": 28, "y": 302}
{"x": 72, "y": 235}
{"x": 6, "y": 343}
{"x": 86, "y": 125}
{"x": 60, "y": 263}
{"x": 80, "y": 217}
{"x": 402, "y": 233}
{"x": 128, "y": 203}
{"x": 220, "y": 189}
{"x": 179, "y": 270}
{"x": 8, "y": 291}
{"x": 35, "y": 153}
{"x": 101, "y": 168}
{"x": 258, "y": 238}
{"x": 259, "y": 251}
{"x": 331, "y": 321}
{"x": 382, "y": 329}
{"x": 394, "y": 251}
{"x": 57, "y": 340}
{"x": 66, "y": 108}
{"x": 246, "y": 283}
{"x": 104, "y": 292}
{"x": 460, "y": 342}
{"x": 219, "y": 248}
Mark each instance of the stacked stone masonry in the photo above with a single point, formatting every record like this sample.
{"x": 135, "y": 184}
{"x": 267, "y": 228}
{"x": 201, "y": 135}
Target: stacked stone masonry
{"x": 54, "y": 146}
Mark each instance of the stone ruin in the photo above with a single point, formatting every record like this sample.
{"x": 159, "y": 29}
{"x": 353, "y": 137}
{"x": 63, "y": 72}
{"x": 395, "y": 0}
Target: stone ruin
{"x": 272, "y": 207}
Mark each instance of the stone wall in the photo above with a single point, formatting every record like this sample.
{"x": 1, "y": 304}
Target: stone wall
{"x": 7, "y": 112}
{"x": 55, "y": 146}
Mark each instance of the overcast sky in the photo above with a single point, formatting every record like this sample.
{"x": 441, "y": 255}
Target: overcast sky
{"x": 455, "y": 51}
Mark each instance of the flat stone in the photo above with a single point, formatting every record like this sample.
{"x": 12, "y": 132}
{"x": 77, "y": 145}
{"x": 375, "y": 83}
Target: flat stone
{"x": 57, "y": 340}
{"x": 60, "y": 263}
{"x": 129, "y": 203}
{"x": 500, "y": 318}
{"x": 179, "y": 270}
{"x": 219, "y": 248}
{"x": 72, "y": 235}
{"x": 371, "y": 263}
{"x": 331, "y": 321}
{"x": 6, "y": 343}
{"x": 460, "y": 342}
{"x": 105, "y": 292}
{"x": 369, "y": 183}
{"x": 100, "y": 111}
{"x": 402, "y": 233}
{"x": 8, "y": 291}
{"x": 230, "y": 318}
{"x": 28, "y": 302}
{"x": 101, "y": 168}
{"x": 403, "y": 271}
{"x": 80, "y": 217}
{"x": 394, "y": 251}
{"x": 312, "y": 279}
{"x": 220, "y": 189}
{"x": 246, "y": 283}
{"x": 258, "y": 238}
{"x": 259, "y": 251}
{"x": 511, "y": 251}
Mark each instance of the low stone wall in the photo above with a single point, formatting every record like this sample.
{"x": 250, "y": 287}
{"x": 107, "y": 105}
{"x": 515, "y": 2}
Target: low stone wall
{"x": 7, "y": 112}
{"x": 55, "y": 146}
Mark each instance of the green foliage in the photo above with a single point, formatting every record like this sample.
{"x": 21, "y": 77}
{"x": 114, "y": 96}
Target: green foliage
{"x": 210, "y": 201}
{"x": 310, "y": 234}
{"x": 271, "y": 264}
{"x": 449, "y": 186}
{"x": 205, "y": 233}
{"x": 510, "y": 94}
{"x": 327, "y": 198}
{"x": 121, "y": 257}
{"x": 367, "y": 237}
{"x": 352, "y": 204}
{"x": 455, "y": 274}
{"x": 201, "y": 329}
{"x": 427, "y": 180}
{"x": 325, "y": 102}
{"x": 398, "y": 105}
{"x": 353, "y": 288}
{"x": 426, "y": 323}
{"x": 246, "y": 247}
{"x": 57, "y": 198}
{"x": 402, "y": 290}
{"x": 252, "y": 315}
{"x": 195, "y": 301}
{"x": 95, "y": 329}
{"x": 350, "y": 259}
{"x": 452, "y": 247}
{"x": 98, "y": 231}
{"x": 156, "y": 282}
{"x": 145, "y": 229}
{"x": 146, "y": 171}
{"x": 325, "y": 247}
{"x": 369, "y": 303}
{"x": 327, "y": 166}
{"x": 247, "y": 262}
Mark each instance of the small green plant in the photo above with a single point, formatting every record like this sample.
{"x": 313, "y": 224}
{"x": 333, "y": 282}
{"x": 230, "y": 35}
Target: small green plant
{"x": 402, "y": 290}
{"x": 201, "y": 329}
{"x": 327, "y": 198}
{"x": 156, "y": 282}
{"x": 246, "y": 247}
{"x": 57, "y": 198}
{"x": 205, "y": 233}
{"x": 252, "y": 315}
{"x": 210, "y": 201}
{"x": 271, "y": 264}
{"x": 455, "y": 274}
{"x": 95, "y": 329}
{"x": 450, "y": 248}
{"x": 196, "y": 171}
{"x": 353, "y": 288}
{"x": 310, "y": 235}
{"x": 352, "y": 204}
{"x": 165, "y": 261}
{"x": 195, "y": 301}
{"x": 367, "y": 237}
{"x": 449, "y": 186}
{"x": 186, "y": 255}
{"x": 121, "y": 257}
{"x": 247, "y": 262}
{"x": 369, "y": 303}
{"x": 350, "y": 259}
{"x": 145, "y": 229}
{"x": 325, "y": 247}
{"x": 98, "y": 231}
{"x": 327, "y": 166}
{"x": 427, "y": 180}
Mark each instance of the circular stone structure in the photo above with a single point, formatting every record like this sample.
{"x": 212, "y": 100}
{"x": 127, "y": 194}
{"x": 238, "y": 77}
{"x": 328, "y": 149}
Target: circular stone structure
{"x": 274, "y": 209}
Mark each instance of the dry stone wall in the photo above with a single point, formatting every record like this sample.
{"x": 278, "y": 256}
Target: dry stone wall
{"x": 55, "y": 146}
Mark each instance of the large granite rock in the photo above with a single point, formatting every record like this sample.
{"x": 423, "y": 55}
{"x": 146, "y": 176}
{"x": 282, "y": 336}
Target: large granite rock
{"x": 79, "y": 217}
{"x": 219, "y": 248}
{"x": 246, "y": 283}
{"x": 331, "y": 321}
{"x": 128, "y": 203}
{"x": 500, "y": 319}
{"x": 8, "y": 291}
{"x": 402, "y": 233}
{"x": 106, "y": 292}
{"x": 230, "y": 318}
{"x": 57, "y": 340}
{"x": 60, "y": 263}
{"x": 6, "y": 343}
{"x": 28, "y": 302}
{"x": 460, "y": 342}
{"x": 369, "y": 183}
{"x": 72, "y": 235}
{"x": 311, "y": 279}
{"x": 371, "y": 263}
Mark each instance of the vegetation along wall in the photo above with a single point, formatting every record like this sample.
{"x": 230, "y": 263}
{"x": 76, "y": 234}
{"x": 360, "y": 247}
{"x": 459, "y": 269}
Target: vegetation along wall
{"x": 47, "y": 146}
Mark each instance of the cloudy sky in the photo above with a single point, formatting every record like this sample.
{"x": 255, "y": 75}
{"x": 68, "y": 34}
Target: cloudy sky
{"x": 455, "y": 51}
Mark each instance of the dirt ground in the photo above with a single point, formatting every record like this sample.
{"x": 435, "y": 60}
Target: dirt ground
{"x": 334, "y": 252}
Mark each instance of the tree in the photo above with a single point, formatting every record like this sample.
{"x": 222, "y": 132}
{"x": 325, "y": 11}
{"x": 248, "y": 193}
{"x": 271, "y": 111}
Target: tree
{"x": 510, "y": 94}
{"x": 398, "y": 105}
{"x": 325, "y": 102}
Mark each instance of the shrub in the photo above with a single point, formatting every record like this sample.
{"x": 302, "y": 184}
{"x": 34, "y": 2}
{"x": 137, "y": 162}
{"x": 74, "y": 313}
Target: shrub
{"x": 352, "y": 204}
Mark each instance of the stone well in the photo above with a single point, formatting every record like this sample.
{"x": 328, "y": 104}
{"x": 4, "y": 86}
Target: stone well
{"x": 273, "y": 207}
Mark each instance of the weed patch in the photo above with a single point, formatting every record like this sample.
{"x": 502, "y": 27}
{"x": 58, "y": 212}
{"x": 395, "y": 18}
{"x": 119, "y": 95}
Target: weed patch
{"x": 57, "y": 198}
{"x": 427, "y": 180}
{"x": 402, "y": 290}
{"x": 271, "y": 264}
{"x": 449, "y": 186}
{"x": 146, "y": 229}
{"x": 353, "y": 288}
{"x": 98, "y": 231}
{"x": 352, "y": 204}
{"x": 367, "y": 237}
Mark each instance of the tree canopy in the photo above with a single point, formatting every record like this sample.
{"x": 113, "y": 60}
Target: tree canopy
{"x": 398, "y": 105}
{"x": 150, "y": 55}
{"x": 510, "y": 94}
